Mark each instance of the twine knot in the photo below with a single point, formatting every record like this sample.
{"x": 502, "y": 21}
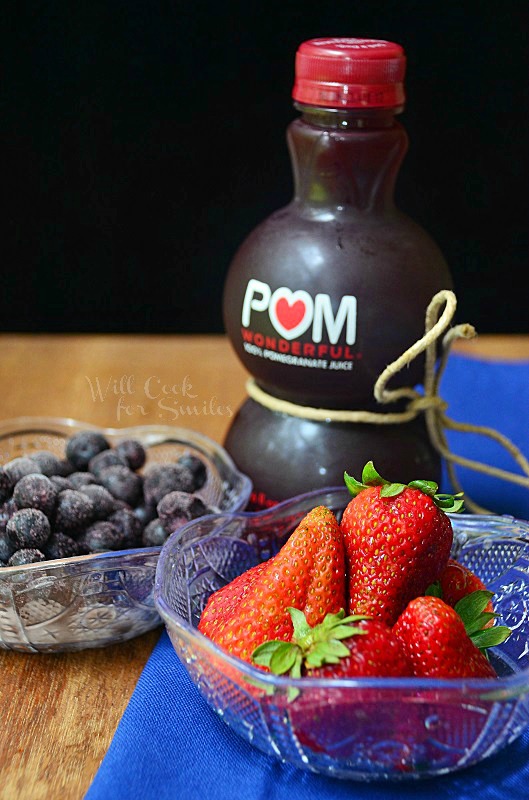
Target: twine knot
{"x": 439, "y": 315}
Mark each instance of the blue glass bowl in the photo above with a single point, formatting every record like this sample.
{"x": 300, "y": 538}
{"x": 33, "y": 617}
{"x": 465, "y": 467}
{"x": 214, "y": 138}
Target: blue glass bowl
{"x": 105, "y": 598}
{"x": 364, "y": 729}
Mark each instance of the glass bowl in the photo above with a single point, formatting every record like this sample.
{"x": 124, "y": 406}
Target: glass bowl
{"x": 101, "y": 599}
{"x": 364, "y": 729}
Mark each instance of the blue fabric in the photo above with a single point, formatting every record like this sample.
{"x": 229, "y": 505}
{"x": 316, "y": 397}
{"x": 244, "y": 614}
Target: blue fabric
{"x": 169, "y": 744}
{"x": 496, "y": 395}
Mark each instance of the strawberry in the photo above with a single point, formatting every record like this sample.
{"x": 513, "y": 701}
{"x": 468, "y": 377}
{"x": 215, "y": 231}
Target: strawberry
{"x": 397, "y": 542}
{"x": 457, "y": 581}
{"x": 334, "y": 719}
{"x": 445, "y": 642}
{"x": 308, "y": 573}
{"x": 335, "y": 649}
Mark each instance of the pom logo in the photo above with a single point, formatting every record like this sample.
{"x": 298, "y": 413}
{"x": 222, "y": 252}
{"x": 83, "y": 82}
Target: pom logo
{"x": 293, "y": 313}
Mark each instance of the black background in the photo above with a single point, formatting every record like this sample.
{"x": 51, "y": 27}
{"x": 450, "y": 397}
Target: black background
{"x": 143, "y": 140}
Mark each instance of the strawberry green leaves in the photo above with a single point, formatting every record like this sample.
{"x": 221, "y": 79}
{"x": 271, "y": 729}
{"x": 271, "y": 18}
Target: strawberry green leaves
{"x": 370, "y": 477}
{"x": 471, "y": 609}
{"x": 310, "y": 647}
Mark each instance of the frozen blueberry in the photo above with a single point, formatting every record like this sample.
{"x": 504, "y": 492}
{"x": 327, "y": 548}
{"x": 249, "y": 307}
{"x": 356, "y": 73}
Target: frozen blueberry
{"x": 133, "y": 452}
{"x": 65, "y": 468}
{"x": 154, "y": 534}
{"x": 177, "y": 508}
{"x": 6, "y": 547}
{"x": 61, "y": 483}
{"x": 59, "y": 545}
{"x": 83, "y": 446}
{"x": 35, "y": 491}
{"x": 5, "y": 485}
{"x": 28, "y": 528}
{"x": 99, "y": 537}
{"x": 122, "y": 483}
{"x": 145, "y": 513}
{"x": 6, "y": 512}
{"x": 129, "y": 527}
{"x": 160, "y": 479}
{"x": 198, "y": 469}
{"x": 27, "y": 555}
{"x": 81, "y": 479}
{"x": 73, "y": 512}
{"x": 103, "y": 502}
{"x": 108, "y": 458}
{"x": 19, "y": 467}
{"x": 48, "y": 463}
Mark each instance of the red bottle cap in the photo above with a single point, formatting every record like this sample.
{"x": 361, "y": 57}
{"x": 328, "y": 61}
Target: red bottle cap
{"x": 350, "y": 73}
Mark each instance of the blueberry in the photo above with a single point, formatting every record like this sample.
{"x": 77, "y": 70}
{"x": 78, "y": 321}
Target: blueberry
{"x": 83, "y": 446}
{"x": 145, "y": 513}
{"x": 6, "y": 512}
{"x": 19, "y": 467}
{"x": 103, "y": 502}
{"x": 99, "y": 537}
{"x": 59, "y": 545}
{"x": 160, "y": 479}
{"x": 5, "y": 485}
{"x": 28, "y": 528}
{"x": 27, "y": 555}
{"x": 82, "y": 479}
{"x": 108, "y": 458}
{"x": 198, "y": 469}
{"x": 6, "y": 547}
{"x": 48, "y": 463}
{"x": 177, "y": 508}
{"x": 61, "y": 483}
{"x": 133, "y": 452}
{"x": 74, "y": 511}
{"x": 65, "y": 468}
{"x": 129, "y": 527}
{"x": 122, "y": 483}
{"x": 154, "y": 534}
{"x": 35, "y": 491}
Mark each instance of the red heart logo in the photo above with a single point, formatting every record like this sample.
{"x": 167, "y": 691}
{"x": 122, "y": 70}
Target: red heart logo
{"x": 290, "y": 315}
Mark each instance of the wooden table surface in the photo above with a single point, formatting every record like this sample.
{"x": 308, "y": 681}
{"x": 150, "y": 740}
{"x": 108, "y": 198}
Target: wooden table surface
{"x": 60, "y": 711}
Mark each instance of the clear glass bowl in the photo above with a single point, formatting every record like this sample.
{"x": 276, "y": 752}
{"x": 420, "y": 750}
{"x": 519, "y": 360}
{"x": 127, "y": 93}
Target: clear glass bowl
{"x": 364, "y": 729}
{"x": 98, "y": 600}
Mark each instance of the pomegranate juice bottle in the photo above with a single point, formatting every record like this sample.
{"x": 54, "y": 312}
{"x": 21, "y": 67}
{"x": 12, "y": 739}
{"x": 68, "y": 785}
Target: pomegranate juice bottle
{"x": 330, "y": 289}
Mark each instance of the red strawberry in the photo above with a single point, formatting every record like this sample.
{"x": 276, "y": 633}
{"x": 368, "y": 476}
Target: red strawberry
{"x": 335, "y": 649}
{"x": 457, "y": 581}
{"x": 333, "y": 719}
{"x": 436, "y": 638}
{"x": 308, "y": 573}
{"x": 397, "y": 542}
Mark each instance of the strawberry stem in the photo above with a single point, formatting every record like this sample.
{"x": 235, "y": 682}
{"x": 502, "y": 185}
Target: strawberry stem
{"x": 471, "y": 609}
{"x": 310, "y": 647}
{"x": 370, "y": 477}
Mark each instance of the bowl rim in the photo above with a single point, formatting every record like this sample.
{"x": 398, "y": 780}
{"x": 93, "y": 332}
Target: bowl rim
{"x": 504, "y": 687}
{"x": 151, "y": 433}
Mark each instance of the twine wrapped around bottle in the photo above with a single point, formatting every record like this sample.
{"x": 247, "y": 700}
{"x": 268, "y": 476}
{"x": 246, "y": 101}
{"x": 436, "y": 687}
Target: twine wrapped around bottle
{"x": 428, "y": 402}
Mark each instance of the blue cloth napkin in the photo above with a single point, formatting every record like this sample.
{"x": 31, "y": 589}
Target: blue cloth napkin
{"x": 170, "y": 744}
{"x": 495, "y": 395}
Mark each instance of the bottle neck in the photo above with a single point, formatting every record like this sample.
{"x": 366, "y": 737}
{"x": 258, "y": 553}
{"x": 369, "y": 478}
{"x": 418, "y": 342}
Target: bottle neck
{"x": 345, "y": 160}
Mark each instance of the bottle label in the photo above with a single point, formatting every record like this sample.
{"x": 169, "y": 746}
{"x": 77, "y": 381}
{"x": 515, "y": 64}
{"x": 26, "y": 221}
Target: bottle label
{"x": 328, "y": 336}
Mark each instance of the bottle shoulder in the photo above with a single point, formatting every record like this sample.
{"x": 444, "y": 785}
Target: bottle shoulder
{"x": 293, "y": 226}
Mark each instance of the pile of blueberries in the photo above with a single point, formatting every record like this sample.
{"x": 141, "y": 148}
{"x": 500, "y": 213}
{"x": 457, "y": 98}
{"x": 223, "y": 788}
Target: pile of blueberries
{"x": 93, "y": 500}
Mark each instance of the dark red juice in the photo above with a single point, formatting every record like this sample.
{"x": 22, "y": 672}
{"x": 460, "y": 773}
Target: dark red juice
{"x": 329, "y": 290}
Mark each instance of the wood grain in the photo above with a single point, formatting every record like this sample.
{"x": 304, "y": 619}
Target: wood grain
{"x": 59, "y": 714}
{"x": 60, "y": 711}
